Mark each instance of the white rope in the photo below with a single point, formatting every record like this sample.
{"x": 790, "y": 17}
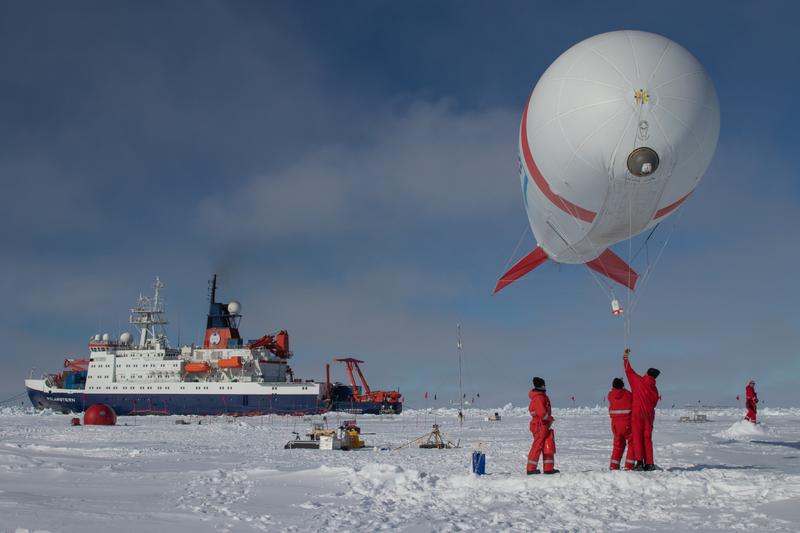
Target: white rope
{"x": 648, "y": 273}
{"x": 605, "y": 287}
{"x": 626, "y": 323}
{"x": 519, "y": 243}
{"x": 609, "y": 292}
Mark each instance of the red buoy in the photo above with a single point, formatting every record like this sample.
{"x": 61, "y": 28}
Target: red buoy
{"x": 99, "y": 414}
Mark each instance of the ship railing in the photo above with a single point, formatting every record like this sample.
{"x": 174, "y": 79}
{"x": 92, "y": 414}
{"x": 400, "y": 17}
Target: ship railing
{"x": 138, "y": 353}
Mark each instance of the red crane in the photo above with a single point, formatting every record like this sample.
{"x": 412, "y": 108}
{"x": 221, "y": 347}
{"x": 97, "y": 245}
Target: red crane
{"x": 277, "y": 344}
{"x": 366, "y": 395}
{"x": 76, "y": 365}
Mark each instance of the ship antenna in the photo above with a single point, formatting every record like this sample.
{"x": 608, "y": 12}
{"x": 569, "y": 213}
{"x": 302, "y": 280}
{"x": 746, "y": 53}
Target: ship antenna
{"x": 148, "y": 317}
{"x": 460, "y": 388}
{"x": 156, "y": 297}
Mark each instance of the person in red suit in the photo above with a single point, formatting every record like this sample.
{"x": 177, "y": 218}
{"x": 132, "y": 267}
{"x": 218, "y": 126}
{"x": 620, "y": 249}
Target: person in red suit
{"x": 751, "y": 399}
{"x": 541, "y": 420}
{"x": 645, "y": 398}
{"x": 620, "y": 403}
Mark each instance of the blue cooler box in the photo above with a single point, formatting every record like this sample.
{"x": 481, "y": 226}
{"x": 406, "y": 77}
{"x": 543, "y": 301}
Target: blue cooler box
{"x": 479, "y": 463}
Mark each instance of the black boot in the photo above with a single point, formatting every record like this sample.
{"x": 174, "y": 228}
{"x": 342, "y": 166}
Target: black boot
{"x": 534, "y": 471}
{"x": 650, "y": 468}
{"x": 554, "y": 471}
{"x": 639, "y": 466}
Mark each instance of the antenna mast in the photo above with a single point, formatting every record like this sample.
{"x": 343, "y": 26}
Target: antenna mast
{"x": 148, "y": 318}
{"x": 460, "y": 389}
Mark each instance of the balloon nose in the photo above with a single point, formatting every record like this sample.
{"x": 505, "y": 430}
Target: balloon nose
{"x": 643, "y": 161}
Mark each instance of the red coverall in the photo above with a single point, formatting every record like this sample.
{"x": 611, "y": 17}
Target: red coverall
{"x": 751, "y": 399}
{"x": 541, "y": 418}
{"x": 620, "y": 402}
{"x": 645, "y": 398}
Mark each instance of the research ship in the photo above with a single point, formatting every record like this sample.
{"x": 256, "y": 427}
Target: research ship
{"x": 145, "y": 375}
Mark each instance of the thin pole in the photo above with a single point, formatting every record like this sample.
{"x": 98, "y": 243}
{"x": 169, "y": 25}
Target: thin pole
{"x": 460, "y": 389}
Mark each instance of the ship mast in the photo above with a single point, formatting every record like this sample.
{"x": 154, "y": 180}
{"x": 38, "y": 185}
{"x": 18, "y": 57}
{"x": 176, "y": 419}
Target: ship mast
{"x": 460, "y": 388}
{"x": 148, "y": 318}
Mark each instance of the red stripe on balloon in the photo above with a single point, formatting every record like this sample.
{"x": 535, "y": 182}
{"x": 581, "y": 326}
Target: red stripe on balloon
{"x": 671, "y": 207}
{"x": 563, "y": 204}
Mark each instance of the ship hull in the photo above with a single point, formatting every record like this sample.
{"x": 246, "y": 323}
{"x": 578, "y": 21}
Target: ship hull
{"x": 180, "y": 404}
{"x": 368, "y": 408}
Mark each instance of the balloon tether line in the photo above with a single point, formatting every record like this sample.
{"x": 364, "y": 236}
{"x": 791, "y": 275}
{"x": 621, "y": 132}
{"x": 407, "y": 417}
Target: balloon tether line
{"x": 519, "y": 243}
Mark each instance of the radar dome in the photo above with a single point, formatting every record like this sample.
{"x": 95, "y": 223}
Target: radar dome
{"x": 125, "y": 338}
{"x": 106, "y": 336}
{"x": 234, "y": 307}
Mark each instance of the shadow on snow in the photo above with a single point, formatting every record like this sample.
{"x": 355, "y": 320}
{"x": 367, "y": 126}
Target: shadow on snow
{"x": 697, "y": 468}
{"x": 795, "y": 445}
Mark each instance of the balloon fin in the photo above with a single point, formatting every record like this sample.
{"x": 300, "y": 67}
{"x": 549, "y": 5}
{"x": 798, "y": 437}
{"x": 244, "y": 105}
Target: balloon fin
{"x": 523, "y": 266}
{"x": 611, "y": 266}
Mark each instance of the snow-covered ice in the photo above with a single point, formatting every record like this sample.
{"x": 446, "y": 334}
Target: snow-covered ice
{"x": 232, "y": 474}
{"x": 744, "y": 430}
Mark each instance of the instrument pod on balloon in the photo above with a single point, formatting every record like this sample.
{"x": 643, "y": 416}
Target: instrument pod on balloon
{"x": 615, "y": 136}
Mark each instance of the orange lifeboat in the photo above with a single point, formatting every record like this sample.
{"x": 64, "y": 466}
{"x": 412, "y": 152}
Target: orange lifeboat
{"x": 197, "y": 367}
{"x": 230, "y": 362}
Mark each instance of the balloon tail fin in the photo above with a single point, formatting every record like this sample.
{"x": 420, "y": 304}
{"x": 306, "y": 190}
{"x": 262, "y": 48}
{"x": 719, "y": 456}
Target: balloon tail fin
{"x": 523, "y": 266}
{"x": 611, "y": 266}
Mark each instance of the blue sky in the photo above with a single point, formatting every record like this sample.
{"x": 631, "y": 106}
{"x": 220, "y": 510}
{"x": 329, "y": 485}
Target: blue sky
{"x": 349, "y": 170}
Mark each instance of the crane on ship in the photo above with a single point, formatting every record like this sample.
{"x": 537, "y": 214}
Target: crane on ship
{"x": 364, "y": 393}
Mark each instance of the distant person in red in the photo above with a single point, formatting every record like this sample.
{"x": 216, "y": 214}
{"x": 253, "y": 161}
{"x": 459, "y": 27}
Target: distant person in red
{"x": 541, "y": 420}
{"x": 645, "y": 398}
{"x": 620, "y": 403}
{"x": 750, "y": 401}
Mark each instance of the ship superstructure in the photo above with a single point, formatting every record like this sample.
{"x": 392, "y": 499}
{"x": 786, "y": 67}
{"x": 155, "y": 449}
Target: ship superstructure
{"x": 146, "y": 375}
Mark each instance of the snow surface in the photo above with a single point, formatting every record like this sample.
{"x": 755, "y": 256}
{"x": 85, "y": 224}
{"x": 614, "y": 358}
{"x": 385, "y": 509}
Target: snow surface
{"x": 232, "y": 474}
{"x": 744, "y": 430}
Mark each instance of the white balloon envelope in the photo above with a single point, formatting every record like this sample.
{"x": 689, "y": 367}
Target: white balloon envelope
{"x": 615, "y": 136}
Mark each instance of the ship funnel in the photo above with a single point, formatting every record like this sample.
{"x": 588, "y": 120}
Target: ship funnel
{"x": 222, "y": 325}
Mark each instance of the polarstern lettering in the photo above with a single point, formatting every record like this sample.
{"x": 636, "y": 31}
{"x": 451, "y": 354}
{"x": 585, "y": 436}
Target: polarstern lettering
{"x": 57, "y": 399}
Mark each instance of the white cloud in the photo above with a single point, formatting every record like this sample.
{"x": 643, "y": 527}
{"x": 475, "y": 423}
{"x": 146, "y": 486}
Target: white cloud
{"x": 423, "y": 164}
